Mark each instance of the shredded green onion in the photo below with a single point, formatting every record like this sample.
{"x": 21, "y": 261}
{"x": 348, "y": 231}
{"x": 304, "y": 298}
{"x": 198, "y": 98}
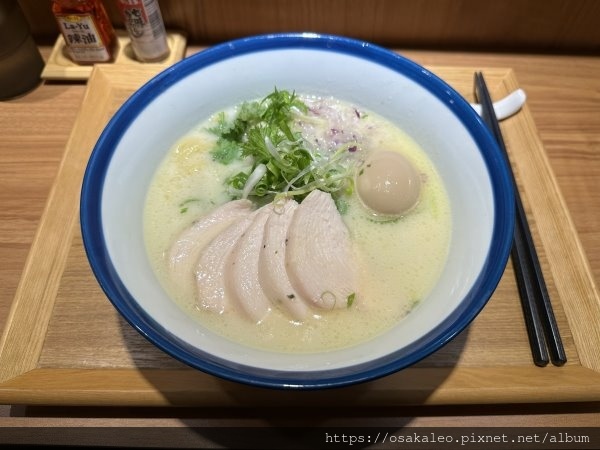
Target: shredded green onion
{"x": 281, "y": 161}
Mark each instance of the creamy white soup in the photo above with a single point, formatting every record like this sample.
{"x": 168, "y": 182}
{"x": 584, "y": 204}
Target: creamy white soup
{"x": 398, "y": 252}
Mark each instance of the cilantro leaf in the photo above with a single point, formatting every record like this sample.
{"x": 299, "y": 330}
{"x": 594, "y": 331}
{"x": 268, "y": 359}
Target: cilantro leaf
{"x": 226, "y": 151}
{"x": 282, "y": 162}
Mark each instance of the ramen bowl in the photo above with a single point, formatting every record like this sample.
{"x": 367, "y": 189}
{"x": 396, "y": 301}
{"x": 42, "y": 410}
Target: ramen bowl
{"x": 139, "y": 135}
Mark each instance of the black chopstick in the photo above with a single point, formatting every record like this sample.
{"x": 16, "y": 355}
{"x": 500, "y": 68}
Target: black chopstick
{"x": 542, "y": 329}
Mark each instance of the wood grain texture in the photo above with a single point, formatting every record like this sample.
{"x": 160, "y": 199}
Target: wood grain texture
{"x": 563, "y": 96}
{"x": 577, "y": 289}
{"x": 564, "y": 100}
{"x": 420, "y": 386}
{"x": 60, "y": 67}
{"x": 26, "y": 324}
{"x": 89, "y": 355}
{"x": 468, "y": 24}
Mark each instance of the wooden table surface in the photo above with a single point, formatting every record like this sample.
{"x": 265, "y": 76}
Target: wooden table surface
{"x": 564, "y": 98}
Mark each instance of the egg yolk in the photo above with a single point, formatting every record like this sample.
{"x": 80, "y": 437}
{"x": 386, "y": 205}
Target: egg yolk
{"x": 388, "y": 184}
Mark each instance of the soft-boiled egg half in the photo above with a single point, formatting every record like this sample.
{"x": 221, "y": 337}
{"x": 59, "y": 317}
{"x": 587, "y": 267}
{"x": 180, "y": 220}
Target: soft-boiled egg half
{"x": 388, "y": 184}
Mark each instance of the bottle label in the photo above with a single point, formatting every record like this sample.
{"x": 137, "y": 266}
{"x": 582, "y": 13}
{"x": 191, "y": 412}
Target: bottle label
{"x": 82, "y": 38}
{"x": 146, "y": 28}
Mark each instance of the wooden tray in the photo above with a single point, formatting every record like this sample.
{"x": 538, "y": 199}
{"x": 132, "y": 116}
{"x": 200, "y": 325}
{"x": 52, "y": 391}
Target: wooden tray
{"x": 61, "y": 67}
{"x": 65, "y": 344}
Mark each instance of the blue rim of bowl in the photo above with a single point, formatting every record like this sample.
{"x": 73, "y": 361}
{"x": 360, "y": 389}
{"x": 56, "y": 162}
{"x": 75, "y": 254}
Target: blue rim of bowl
{"x": 475, "y": 300}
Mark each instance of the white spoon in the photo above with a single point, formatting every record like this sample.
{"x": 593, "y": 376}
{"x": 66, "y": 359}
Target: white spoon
{"x": 507, "y": 106}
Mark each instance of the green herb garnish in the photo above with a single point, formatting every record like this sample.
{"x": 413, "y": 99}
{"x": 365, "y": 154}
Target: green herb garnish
{"x": 183, "y": 206}
{"x": 350, "y": 299}
{"x": 282, "y": 162}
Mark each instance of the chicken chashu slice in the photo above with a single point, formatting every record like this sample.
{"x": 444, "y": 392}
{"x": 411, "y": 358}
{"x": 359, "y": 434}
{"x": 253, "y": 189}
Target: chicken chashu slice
{"x": 272, "y": 272}
{"x": 183, "y": 253}
{"x": 241, "y": 269}
{"x": 319, "y": 257}
{"x": 211, "y": 265}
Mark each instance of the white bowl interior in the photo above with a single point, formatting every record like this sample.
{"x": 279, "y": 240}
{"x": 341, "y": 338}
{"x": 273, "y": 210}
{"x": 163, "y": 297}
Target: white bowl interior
{"x": 195, "y": 97}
